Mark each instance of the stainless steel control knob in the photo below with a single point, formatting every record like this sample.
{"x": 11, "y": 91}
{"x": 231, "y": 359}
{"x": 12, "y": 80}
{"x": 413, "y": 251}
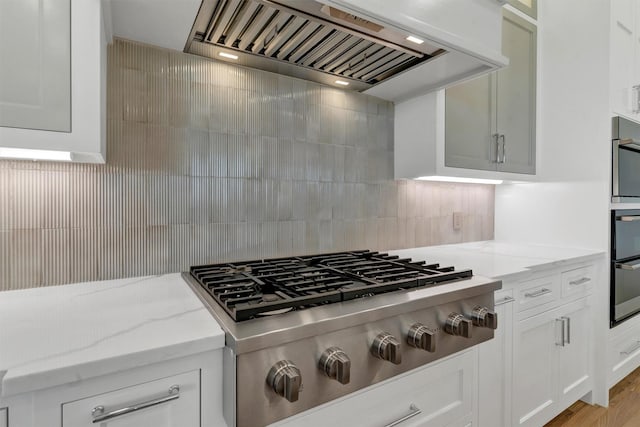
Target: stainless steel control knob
{"x": 481, "y": 316}
{"x": 285, "y": 379}
{"x": 419, "y": 336}
{"x": 336, "y": 364}
{"x": 456, "y": 324}
{"x": 386, "y": 347}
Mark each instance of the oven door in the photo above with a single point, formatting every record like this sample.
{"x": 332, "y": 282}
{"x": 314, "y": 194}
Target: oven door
{"x": 626, "y": 161}
{"x": 625, "y": 264}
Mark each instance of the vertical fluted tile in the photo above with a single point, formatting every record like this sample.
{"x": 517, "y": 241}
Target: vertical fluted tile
{"x": 208, "y": 162}
{"x": 56, "y": 256}
{"x": 25, "y": 259}
{"x": 5, "y": 260}
{"x": 5, "y": 204}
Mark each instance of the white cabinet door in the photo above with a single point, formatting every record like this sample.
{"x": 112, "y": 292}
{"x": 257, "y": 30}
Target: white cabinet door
{"x": 574, "y": 355}
{"x": 494, "y": 368}
{"x": 35, "y": 70}
{"x": 3, "y": 417}
{"x": 534, "y": 376}
{"x": 516, "y": 96}
{"x": 623, "y": 46}
{"x": 183, "y": 409}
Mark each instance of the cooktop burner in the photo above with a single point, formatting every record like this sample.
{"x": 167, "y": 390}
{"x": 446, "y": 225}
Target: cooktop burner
{"x": 251, "y": 289}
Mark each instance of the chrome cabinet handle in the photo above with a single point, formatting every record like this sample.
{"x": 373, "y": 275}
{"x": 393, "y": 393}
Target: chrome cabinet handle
{"x": 504, "y": 148}
{"x": 414, "y": 411}
{"x": 539, "y": 293}
{"x": 631, "y": 349}
{"x": 563, "y": 341}
{"x": 99, "y": 415}
{"x": 495, "y": 137}
{"x": 628, "y": 218}
{"x": 503, "y": 301}
{"x": 580, "y": 281}
{"x": 629, "y": 143}
{"x": 631, "y": 267}
{"x": 568, "y": 325}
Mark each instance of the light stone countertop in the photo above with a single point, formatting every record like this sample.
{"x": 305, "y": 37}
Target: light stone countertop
{"x": 62, "y": 334}
{"x": 499, "y": 260}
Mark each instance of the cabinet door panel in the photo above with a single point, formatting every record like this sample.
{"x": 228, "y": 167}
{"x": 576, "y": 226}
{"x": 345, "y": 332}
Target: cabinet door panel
{"x": 470, "y": 124}
{"x": 183, "y": 411}
{"x": 35, "y": 71}
{"x": 622, "y": 56}
{"x": 574, "y": 373}
{"x": 494, "y": 369}
{"x": 516, "y": 96}
{"x": 534, "y": 383}
{"x": 3, "y": 417}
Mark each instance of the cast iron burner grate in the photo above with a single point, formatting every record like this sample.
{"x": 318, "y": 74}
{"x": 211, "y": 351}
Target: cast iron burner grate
{"x": 256, "y": 288}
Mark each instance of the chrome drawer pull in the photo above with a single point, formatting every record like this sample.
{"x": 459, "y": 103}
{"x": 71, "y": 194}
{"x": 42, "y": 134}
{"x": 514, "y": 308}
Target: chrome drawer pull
{"x": 580, "y": 281}
{"x": 414, "y": 411}
{"x": 99, "y": 415}
{"x": 628, "y": 218}
{"x": 630, "y": 267}
{"x": 631, "y": 349}
{"x": 504, "y": 301}
{"x": 539, "y": 293}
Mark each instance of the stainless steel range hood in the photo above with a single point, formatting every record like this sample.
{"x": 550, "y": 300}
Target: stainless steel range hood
{"x": 319, "y": 42}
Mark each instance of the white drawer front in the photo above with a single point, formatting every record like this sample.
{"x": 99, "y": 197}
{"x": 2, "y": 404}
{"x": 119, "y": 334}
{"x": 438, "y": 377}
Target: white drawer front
{"x": 442, "y": 392}
{"x": 577, "y": 281}
{"x": 3, "y": 417}
{"x": 536, "y": 292}
{"x": 171, "y": 409}
{"x": 624, "y": 356}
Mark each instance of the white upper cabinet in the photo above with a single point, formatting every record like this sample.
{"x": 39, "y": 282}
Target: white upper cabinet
{"x": 35, "y": 88}
{"x": 52, "y": 79}
{"x": 483, "y": 128}
{"x": 625, "y": 58}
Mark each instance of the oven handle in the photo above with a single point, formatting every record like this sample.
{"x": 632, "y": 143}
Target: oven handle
{"x": 414, "y": 412}
{"x": 629, "y": 143}
{"x": 631, "y": 267}
{"x": 628, "y": 218}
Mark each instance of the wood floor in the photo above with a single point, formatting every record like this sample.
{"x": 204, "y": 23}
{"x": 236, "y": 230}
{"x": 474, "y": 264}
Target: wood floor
{"x": 623, "y": 410}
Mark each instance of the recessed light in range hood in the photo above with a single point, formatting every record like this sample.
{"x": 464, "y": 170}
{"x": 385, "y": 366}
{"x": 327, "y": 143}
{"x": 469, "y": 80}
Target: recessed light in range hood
{"x": 305, "y": 39}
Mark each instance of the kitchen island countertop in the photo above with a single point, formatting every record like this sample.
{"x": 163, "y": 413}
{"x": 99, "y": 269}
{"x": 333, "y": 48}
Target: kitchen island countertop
{"x": 62, "y": 334}
{"x": 499, "y": 260}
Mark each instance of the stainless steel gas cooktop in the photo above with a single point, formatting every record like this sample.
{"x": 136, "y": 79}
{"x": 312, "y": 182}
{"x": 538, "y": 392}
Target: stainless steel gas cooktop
{"x": 301, "y": 331}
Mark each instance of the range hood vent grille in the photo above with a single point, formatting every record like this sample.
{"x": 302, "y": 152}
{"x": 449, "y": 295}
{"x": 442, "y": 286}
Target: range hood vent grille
{"x": 259, "y": 30}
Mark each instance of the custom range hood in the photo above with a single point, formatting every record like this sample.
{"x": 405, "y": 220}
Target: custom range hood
{"x": 390, "y": 49}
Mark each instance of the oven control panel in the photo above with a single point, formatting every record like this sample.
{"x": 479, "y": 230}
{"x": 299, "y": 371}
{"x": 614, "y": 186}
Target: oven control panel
{"x": 302, "y": 374}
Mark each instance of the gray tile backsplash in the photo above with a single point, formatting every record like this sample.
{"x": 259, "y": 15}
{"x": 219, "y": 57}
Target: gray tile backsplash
{"x": 209, "y": 162}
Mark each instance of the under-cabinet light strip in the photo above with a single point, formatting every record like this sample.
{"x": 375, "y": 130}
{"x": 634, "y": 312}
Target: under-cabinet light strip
{"x": 29, "y": 154}
{"x": 460, "y": 179}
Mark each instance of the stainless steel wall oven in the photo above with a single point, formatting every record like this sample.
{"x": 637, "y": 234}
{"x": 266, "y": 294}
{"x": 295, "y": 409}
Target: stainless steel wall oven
{"x": 625, "y": 264}
{"x": 626, "y": 161}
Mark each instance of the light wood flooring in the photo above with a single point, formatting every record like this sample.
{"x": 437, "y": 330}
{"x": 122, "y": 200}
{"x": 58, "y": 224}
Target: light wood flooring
{"x": 623, "y": 410}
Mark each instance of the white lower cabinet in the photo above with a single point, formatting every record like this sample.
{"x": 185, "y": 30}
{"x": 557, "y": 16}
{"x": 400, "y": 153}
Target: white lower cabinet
{"x": 442, "y": 392}
{"x": 551, "y": 363}
{"x": 167, "y": 402}
{"x": 181, "y": 392}
{"x": 3, "y": 417}
{"x": 494, "y": 367}
{"x": 624, "y": 350}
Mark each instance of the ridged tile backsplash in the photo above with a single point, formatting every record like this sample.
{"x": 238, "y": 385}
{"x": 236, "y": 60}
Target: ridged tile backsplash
{"x": 209, "y": 162}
